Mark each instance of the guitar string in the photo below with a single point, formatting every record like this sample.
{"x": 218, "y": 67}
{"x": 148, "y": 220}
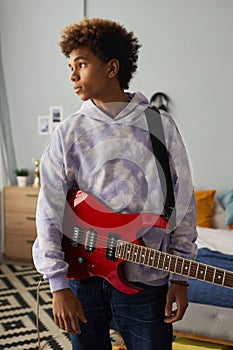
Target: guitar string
{"x": 104, "y": 240}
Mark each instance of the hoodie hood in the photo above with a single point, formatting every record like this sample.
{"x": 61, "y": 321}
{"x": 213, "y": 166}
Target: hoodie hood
{"x": 138, "y": 103}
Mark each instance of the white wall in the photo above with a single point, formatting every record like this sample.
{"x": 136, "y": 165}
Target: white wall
{"x": 186, "y": 52}
{"x": 36, "y": 72}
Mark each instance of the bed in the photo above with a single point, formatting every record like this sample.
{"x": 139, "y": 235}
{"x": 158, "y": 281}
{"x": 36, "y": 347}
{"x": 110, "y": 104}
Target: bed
{"x": 210, "y": 313}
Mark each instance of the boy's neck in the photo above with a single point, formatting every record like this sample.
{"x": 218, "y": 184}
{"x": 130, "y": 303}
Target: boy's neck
{"x": 114, "y": 104}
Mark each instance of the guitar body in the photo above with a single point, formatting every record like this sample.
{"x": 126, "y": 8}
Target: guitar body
{"x": 97, "y": 242}
{"x": 84, "y": 264}
{"x": 91, "y": 232}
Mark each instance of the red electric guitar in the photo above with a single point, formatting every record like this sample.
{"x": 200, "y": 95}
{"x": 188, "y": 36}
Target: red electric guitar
{"x": 97, "y": 242}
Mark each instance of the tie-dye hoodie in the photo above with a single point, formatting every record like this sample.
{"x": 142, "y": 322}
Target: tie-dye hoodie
{"x": 113, "y": 160}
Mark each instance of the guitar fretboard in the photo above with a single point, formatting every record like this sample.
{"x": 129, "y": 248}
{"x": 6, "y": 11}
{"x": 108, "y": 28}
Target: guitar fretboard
{"x": 163, "y": 261}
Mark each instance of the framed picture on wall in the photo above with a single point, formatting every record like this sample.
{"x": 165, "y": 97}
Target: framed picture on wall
{"x": 43, "y": 124}
{"x": 56, "y": 116}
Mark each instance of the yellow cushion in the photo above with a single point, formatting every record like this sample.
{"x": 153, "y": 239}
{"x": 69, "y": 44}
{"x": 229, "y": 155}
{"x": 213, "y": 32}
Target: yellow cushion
{"x": 181, "y": 343}
{"x": 205, "y": 204}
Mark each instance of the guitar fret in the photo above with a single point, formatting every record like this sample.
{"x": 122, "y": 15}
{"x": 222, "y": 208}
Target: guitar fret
{"x": 182, "y": 268}
{"x": 161, "y": 260}
{"x": 193, "y": 269}
{"x": 136, "y": 253}
{"x": 205, "y": 274}
{"x": 128, "y": 250}
{"x": 130, "y": 253}
{"x": 223, "y": 279}
{"x": 141, "y": 260}
{"x": 122, "y": 249}
{"x": 139, "y": 255}
{"x": 125, "y": 250}
{"x": 143, "y": 256}
{"x": 201, "y": 271}
{"x": 179, "y": 265}
{"x": 197, "y": 270}
{"x": 147, "y": 257}
{"x": 228, "y": 282}
{"x": 167, "y": 262}
{"x": 157, "y": 259}
{"x": 214, "y": 275}
{"x": 210, "y": 274}
{"x": 151, "y": 262}
{"x": 219, "y": 276}
{"x": 176, "y": 264}
{"x": 186, "y": 267}
{"x": 133, "y": 252}
{"x": 164, "y": 259}
{"x": 172, "y": 263}
{"x": 154, "y": 260}
{"x": 150, "y": 257}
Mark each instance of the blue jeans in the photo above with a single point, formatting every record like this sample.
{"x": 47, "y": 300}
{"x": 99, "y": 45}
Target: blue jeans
{"x": 139, "y": 318}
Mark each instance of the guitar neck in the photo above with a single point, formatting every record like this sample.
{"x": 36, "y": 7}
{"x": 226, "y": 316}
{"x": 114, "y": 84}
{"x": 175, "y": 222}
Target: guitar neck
{"x": 163, "y": 261}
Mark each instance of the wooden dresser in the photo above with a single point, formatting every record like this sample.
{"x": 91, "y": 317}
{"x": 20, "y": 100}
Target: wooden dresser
{"x": 20, "y": 222}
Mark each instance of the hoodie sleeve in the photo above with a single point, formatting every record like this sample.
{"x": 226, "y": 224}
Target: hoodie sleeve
{"x": 183, "y": 239}
{"x": 47, "y": 252}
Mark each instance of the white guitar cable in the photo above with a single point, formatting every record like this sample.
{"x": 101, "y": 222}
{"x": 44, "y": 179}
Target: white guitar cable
{"x": 38, "y": 316}
{"x": 37, "y": 312}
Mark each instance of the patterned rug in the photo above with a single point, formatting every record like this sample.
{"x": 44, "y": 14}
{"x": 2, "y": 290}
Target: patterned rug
{"x": 18, "y": 331}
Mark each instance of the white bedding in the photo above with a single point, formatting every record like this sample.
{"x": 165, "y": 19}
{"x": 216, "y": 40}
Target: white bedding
{"x": 220, "y": 240}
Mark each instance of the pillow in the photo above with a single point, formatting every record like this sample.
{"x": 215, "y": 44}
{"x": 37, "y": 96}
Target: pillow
{"x": 204, "y": 207}
{"x": 219, "y": 215}
{"x": 227, "y": 202}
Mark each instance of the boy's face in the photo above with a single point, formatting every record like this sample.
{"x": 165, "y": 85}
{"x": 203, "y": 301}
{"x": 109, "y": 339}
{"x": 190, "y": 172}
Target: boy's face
{"x": 90, "y": 75}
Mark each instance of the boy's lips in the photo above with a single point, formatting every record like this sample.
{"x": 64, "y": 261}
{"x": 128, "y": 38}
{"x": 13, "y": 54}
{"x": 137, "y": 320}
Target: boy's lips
{"x": 77, "y": 88}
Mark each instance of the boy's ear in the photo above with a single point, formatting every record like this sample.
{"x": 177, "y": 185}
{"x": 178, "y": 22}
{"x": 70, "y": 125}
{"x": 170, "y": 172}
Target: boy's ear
{"x": 113, "y": 67}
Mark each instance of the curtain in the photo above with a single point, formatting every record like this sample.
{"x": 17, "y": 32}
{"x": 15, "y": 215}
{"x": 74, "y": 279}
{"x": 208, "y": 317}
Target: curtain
{"x": 7, "y": 146}
{"x": 7, "y": 153}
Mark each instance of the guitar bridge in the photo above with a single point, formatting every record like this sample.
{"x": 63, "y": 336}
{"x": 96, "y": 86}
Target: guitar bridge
{"x": 111, "y": 246}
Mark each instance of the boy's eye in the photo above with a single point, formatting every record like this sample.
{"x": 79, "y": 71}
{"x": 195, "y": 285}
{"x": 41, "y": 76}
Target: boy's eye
{"x": 82, "y": 65}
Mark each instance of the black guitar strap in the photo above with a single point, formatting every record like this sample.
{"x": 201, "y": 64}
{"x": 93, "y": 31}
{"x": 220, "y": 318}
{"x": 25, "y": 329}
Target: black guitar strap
{"x": 155, "y": 127}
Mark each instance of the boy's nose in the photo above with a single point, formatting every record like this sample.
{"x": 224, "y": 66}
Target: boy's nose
{"x": 74, "y": 76}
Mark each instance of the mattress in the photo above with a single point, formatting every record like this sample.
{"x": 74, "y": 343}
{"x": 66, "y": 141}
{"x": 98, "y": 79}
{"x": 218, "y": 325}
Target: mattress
{"x": 207, "y": 293}
{"x": 219, "y": 240}
{"x": 207, "y": 321}
{"x": 210, "y": 310}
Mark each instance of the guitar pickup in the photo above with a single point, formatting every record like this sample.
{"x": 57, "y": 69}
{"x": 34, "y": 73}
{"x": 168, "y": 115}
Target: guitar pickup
{"x": 76, "y": 239}
{"x": 111, "y": 246}
{"x": 90, "y": 240}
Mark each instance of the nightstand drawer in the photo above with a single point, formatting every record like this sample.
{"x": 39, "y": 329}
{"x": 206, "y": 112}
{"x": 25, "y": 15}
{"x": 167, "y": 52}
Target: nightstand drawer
{"x": 19, "y": 247}
{"x": 21, "y": 199}
{"x": 20, "y": 223}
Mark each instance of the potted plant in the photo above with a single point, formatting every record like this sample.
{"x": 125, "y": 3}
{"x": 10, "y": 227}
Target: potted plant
{"x": 21, "y": 175}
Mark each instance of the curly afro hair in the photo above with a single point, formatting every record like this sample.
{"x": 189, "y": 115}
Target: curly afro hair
{"x": 106, "y": 39}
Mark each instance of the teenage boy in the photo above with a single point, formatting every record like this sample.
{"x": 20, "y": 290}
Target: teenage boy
{"x": 105, "y": 150}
